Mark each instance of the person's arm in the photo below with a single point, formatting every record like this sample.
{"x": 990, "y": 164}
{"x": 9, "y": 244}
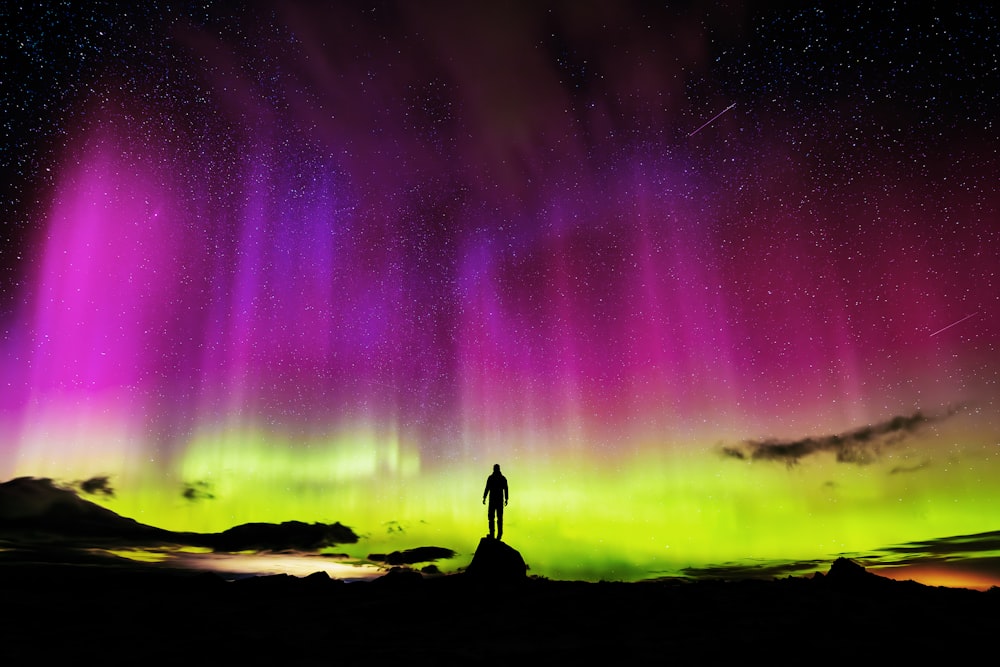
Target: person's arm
{"x": 486, "y": 491}
{"x": 506, "y": 493}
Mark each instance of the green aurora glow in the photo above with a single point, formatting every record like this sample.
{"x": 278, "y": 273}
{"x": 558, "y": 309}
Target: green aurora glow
{"x": 579, "y": 517}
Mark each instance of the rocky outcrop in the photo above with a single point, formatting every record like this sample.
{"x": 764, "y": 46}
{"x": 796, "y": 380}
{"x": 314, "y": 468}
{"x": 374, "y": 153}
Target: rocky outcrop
{"x": 285, "y": 535}
{"x": 412, "y": 556}
{"x": 496, "y": 561}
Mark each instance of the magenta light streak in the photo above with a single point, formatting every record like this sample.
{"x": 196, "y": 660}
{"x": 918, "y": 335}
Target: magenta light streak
{"x": 711, "y": 120}
{"x": 943, "y": 329}
{"x": 103, "y": 320}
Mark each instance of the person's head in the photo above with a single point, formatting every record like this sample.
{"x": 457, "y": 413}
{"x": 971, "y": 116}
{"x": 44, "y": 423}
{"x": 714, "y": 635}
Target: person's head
{"x": 496, "y": 467}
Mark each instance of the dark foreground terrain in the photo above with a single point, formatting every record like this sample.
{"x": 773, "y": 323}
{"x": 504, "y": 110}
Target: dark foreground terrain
{"x": 66, "y": 599}
{"x": 78, "y": 614}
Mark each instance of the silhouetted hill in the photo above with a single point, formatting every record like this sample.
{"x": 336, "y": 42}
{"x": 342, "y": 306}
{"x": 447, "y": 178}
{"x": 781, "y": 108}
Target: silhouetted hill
{"x": 36, "y": 511}
{"x": 846, "y": 572}
{"x": 411, "y": 556}
{"x": 285, "y": 535}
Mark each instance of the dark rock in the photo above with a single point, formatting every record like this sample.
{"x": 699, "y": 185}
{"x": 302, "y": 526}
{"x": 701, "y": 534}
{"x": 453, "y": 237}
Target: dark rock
{"x": 399, "y": 576}
{"x": 265, "y": 583}
{"x": 207, "y": 581}
{"x": 496, "y": 561}
{"x": 319, "y": 582}
{"x": 849, "y": 574}
{"x": 286, "y": 535}
{"x": 847, "y": 570}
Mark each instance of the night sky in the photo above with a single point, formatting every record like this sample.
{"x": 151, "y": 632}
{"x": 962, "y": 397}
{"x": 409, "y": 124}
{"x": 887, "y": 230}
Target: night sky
{"x": 712, "y": 282}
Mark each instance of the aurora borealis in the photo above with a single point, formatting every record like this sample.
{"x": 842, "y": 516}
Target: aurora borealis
{"x": 713, "y": 284}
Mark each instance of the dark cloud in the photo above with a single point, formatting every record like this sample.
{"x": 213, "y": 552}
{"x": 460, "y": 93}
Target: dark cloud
{"x": 97, "y": 485}
{"x": 760, "y": 570}
{"x": 394, "y": 527}
{"x": 978, "y": 543}
{"x": 195, "y": 491}
{"x": 411, "y": 556}
{"x": 914, "y": 468}
{"x": 861, "y": 446}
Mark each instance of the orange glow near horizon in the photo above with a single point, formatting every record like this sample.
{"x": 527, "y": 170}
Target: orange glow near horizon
{"x": 931, "y": 575}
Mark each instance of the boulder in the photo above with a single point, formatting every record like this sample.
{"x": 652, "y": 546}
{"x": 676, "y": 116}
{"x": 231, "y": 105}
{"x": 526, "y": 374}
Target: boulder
{"x": 496, "y": 561}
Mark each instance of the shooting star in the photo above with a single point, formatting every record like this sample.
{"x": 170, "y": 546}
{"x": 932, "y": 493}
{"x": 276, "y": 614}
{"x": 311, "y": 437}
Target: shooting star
{"x": 711, "y": 120}
{"x": 953, "y": 324}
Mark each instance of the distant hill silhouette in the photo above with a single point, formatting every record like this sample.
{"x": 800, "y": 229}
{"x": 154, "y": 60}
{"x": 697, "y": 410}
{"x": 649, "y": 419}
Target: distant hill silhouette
{"x": 285, "y": 535}
{"x": 411, "y": 556}
{"x": 38, "y": 511}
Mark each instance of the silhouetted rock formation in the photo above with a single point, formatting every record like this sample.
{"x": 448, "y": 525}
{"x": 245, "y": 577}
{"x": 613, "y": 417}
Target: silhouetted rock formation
{"x": 286, "y": 535}
{"x": 399, "y": 576}
{"x": 279, "y": 584}
{"x": 496, "y": 561}
{"x": 411, "y": 556}
{"x": 846, "y": 572}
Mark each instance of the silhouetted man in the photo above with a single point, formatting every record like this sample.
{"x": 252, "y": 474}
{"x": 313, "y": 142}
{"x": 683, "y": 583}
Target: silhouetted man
{"x": 496, "y": 489}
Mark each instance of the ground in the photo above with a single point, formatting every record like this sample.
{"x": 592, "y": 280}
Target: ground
{"x": 116, "y": 617}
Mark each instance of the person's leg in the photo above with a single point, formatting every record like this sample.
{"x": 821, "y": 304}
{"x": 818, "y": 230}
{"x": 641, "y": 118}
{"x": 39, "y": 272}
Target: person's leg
{"x": 499, "y": 521}
{"x": 491, "y": 512}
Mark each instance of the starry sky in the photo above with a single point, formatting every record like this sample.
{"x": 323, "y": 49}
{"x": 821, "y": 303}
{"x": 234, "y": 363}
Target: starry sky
{"x": 712, "y": 281}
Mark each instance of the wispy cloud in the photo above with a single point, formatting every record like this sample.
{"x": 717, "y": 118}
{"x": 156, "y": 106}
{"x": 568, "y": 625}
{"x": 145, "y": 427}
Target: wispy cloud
{"x": 860, "y": 446}
{"x": 756, "y": 569}
{"x": 979, "y": 543}
{"x": 199, "y": 490}
{"x": 914, "y": 468}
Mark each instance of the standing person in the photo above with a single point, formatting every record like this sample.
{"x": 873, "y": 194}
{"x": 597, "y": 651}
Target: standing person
{"x": 496, "y": 489}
